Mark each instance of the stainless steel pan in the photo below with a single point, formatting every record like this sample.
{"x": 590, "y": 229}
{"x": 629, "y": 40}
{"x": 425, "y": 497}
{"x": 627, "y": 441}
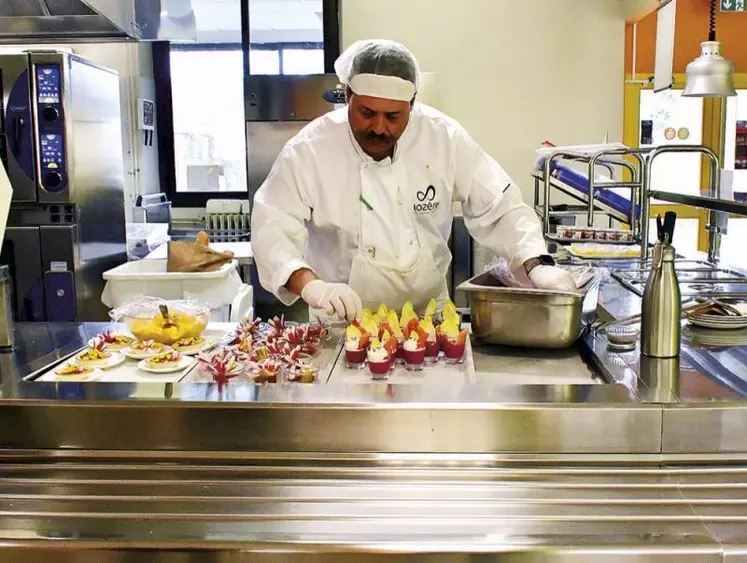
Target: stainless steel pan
{"x": 532, "y": 318}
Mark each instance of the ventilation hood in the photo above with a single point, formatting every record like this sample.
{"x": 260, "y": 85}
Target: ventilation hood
{"x": 86, "y": 20}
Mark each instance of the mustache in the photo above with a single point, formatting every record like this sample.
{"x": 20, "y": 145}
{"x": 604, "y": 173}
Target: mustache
{"x": 371, "y": 136}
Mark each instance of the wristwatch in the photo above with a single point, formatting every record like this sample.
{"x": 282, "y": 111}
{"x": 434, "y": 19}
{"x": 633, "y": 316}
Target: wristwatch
{"x": 541, "y": 260}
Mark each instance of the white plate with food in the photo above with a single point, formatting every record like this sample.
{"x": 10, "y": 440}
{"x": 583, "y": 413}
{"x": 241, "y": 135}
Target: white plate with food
{"x": 193, "y": 345}
{"x": 102, "y": 359}
{"x": 167, "y": 362}
{"x": 116, "y": 342}
{"x": 76, "y": 374}
{"x": 143, "y": 349}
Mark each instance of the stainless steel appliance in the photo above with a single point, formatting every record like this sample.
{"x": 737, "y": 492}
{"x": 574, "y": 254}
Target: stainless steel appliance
{"x": 54, "y": 20}
{"x": 61, "y": 143}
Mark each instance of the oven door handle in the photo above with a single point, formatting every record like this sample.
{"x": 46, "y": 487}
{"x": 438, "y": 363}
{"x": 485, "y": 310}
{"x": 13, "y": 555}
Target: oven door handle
{"x": 18, "y": 124}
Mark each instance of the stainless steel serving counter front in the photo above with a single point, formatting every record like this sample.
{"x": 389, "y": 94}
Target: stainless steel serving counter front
{"x": 612, "y": 460}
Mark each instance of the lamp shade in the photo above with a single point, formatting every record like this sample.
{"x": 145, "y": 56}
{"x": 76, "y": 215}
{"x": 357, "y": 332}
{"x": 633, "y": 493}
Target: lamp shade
{"x": 710, "y": 75}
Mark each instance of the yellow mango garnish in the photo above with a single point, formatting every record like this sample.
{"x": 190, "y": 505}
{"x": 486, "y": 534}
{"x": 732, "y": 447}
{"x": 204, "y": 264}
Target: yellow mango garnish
{"x": 431, "y": 309}
{"x": 386, "y": 336}
{"x": 449, "y": 309}
{"x": 366, "y": 314}
{"x": 383, "y": 311}
{"x": 371, "y": 326}
{"x": 352, "y": 332}
{"x": 375, "y": 343}
{"x": 427, "y": 325}
{"x": 394, "y": 324}
{"x": 408, "y": 313}
{"x": 450, "y": 327}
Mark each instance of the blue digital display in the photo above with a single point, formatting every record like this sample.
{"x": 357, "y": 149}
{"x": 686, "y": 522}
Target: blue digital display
{"x": 51, "y": 152}
{"x": 48, "y": 84}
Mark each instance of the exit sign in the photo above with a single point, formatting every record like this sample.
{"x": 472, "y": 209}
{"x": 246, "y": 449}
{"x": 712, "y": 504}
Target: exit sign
{"x": 733, "y": 6}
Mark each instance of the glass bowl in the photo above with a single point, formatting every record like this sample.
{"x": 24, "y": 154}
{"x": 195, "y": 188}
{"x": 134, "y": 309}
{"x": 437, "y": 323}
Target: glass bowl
{"x": 163, "y": 321}
{"x": 622, "y": 337}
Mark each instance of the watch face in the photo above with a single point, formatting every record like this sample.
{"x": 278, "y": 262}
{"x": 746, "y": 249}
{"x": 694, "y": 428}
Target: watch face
{"x": 546, "y": 260}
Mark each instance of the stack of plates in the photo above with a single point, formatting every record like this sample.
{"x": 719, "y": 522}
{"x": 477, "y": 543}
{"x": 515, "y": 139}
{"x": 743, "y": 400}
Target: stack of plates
{"x": 719, "y": 322}
{"x": 716, "y": 338}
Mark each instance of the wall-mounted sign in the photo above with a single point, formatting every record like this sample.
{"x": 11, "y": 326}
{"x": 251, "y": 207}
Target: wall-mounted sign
{"x": 733, "y": 6}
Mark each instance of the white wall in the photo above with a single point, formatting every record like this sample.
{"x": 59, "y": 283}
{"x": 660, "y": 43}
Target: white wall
{"x": 514, "y": 73}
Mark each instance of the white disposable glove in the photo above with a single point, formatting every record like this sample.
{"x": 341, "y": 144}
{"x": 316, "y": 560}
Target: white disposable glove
{"x": 552, "y": 277}
{"x": 335, "y": 299}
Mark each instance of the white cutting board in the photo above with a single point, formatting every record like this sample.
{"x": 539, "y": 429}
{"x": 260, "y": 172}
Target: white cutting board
{"x": 6, "y": 194}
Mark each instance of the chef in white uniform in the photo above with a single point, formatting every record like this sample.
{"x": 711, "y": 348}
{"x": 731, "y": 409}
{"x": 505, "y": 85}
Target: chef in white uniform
{"x": 357, "y": 210}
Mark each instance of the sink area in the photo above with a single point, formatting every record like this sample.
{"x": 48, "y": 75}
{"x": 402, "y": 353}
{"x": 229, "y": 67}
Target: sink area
{"x": 697, "y": 278}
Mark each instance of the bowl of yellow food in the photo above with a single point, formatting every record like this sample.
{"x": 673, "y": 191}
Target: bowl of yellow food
{"x": 163, "y": 321}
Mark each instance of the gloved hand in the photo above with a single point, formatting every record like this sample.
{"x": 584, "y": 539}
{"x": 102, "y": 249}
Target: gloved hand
{"x": 552, "y": 277}
{"x": 335, "y": 299}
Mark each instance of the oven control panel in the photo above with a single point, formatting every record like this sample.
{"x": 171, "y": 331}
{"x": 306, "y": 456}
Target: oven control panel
{"x": 51, "y": 127}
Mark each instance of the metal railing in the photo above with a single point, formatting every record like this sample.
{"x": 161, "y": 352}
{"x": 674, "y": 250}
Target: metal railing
{"x": 641, "y": 193}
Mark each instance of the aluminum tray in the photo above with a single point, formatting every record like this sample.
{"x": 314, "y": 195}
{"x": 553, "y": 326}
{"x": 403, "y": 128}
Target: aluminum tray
{"x": 531, "y": 318}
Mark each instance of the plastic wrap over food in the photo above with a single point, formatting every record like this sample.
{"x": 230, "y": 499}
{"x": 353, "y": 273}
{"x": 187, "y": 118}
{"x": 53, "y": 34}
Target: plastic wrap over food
{"x": 150, "y": 318}
{"x": 149, "y": 307}
{"x": 499, "y": 269}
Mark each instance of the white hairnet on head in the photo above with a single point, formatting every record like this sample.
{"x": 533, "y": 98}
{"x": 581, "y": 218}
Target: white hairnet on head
{"x": 379, "y": 68}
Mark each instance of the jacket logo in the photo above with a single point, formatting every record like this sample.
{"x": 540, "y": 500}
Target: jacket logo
{"x": 429, "y": 194}
{"x": 425, "y": 204}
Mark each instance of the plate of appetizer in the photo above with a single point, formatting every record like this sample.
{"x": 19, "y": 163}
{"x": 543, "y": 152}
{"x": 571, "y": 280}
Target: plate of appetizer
{"x": 143, "y": 349}
{"x": 166, "y": 362}
{"x": 192, "y": 345}
{"x": 76, "y": 373}
{"x": 97, "y": 355}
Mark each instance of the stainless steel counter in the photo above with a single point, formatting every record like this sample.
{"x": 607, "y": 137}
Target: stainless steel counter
{"x": 106, "y": 506}
{"x": 580, "y": 455}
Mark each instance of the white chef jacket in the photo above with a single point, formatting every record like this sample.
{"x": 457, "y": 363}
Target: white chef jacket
{"x": 383, "y": 227}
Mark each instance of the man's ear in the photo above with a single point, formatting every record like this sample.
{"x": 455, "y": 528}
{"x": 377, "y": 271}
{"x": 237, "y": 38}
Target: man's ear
{"x": 348, "y": 94}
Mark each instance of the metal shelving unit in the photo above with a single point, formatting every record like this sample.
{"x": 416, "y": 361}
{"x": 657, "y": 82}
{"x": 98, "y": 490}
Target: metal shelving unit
{"x": 639, "y": 164}
{"x": 612, "y": 160}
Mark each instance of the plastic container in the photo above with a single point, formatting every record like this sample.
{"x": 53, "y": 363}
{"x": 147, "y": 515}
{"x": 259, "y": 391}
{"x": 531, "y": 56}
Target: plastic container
{"x": 228, "y": 298}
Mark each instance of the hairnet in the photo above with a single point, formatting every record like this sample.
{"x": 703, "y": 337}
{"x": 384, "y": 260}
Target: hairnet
{"x": 385, "y": 68}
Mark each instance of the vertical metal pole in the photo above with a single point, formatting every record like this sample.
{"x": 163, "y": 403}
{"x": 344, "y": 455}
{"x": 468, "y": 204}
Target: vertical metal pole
{"x": 645, "y": 205}
{"x": 592, "y": 174}
{"x": 546, "y": 210}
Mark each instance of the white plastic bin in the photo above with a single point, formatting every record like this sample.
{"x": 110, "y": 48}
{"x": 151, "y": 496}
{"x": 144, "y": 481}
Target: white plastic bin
{"x": 229, "y": 298}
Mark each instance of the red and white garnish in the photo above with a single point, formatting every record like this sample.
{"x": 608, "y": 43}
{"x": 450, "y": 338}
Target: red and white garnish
{"x": 221, "y": 365}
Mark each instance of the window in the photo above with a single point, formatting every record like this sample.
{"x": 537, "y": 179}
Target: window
{"x": 208, "y": 100}
{"x": 200, "y": 86}
{"x": 286, "y": 58}
{"x": 735, "y": 155}
{"x": 669, "y": 119}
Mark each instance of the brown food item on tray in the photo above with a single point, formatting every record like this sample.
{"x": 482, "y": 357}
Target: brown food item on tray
{"x": 203, "y": 239}
{"x": 194, "y": 257}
